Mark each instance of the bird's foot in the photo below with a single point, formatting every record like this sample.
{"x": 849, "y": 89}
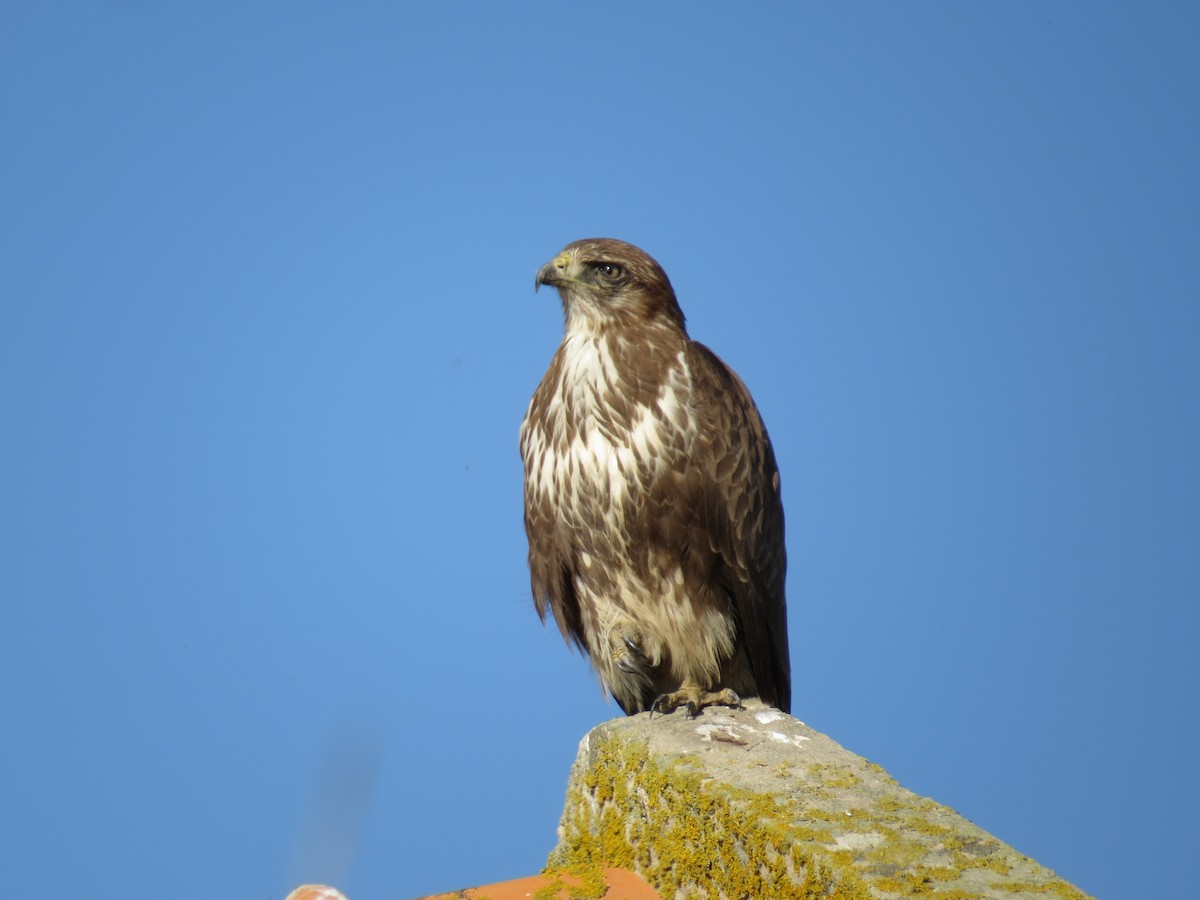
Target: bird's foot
{"x": 693, "y": 698}
{"x": 628, "y": 651}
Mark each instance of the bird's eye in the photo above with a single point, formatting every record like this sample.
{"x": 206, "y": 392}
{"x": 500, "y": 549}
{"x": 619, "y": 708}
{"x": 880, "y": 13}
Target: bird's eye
{"x": 608, "y": 271}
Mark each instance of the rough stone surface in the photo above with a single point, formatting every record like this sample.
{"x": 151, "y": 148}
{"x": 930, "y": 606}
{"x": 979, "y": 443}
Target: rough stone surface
{"x": 754, "y": 803}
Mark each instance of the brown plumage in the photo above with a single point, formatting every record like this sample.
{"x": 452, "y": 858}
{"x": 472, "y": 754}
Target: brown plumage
{"x": 652, "y": 502}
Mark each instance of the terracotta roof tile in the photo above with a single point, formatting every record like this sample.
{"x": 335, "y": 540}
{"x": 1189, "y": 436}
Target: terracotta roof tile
{"x": 622, "y": 885}
{"x": 316, "y": 892}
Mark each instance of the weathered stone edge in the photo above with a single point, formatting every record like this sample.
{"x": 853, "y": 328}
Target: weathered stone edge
{"x": 756, "y": 804}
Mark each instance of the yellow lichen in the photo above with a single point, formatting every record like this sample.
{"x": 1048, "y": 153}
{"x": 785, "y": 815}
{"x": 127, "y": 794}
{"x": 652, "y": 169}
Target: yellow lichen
{"x": 1059, "y": 889}
{"x": 690, "y": 834}
{"x": 833, "y": 776}
{"x": 591, "y": 884}
{"x": 682, "y": 833}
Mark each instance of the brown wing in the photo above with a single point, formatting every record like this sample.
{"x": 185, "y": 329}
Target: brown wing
{"x": 743, "y": 516}
{"x": 550, "y": 573}
{"x": 550, "y": 555}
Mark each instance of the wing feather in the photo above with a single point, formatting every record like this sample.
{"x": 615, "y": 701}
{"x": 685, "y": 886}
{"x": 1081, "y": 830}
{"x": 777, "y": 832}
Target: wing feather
{"x": 743, "y": 517}
{"x": 551, "y": 557}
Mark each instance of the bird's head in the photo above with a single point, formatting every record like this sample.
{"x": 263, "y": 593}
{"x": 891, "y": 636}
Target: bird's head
{"x": 603, "y": 281}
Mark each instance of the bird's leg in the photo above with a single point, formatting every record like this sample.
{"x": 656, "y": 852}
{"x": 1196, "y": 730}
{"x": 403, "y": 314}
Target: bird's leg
{"x": 694, "y": 698}
{"x": 628, "y": 665}
{"x": 627, "y": 650}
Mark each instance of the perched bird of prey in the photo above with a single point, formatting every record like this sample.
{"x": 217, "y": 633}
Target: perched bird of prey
{"x": 652, "y": 501}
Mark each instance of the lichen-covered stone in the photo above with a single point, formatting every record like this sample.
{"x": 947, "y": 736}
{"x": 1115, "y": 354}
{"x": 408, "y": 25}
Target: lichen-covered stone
{"x": 753, "y": 803}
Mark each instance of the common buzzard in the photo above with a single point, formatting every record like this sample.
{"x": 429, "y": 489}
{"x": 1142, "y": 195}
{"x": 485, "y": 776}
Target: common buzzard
{"x": 652, "y": 501}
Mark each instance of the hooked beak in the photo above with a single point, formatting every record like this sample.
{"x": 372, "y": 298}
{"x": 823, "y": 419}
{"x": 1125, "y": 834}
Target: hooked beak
{"x": 553, "y": 273}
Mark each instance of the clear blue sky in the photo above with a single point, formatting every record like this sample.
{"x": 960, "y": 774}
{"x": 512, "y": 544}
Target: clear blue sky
{"x": 268, "y": 327}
